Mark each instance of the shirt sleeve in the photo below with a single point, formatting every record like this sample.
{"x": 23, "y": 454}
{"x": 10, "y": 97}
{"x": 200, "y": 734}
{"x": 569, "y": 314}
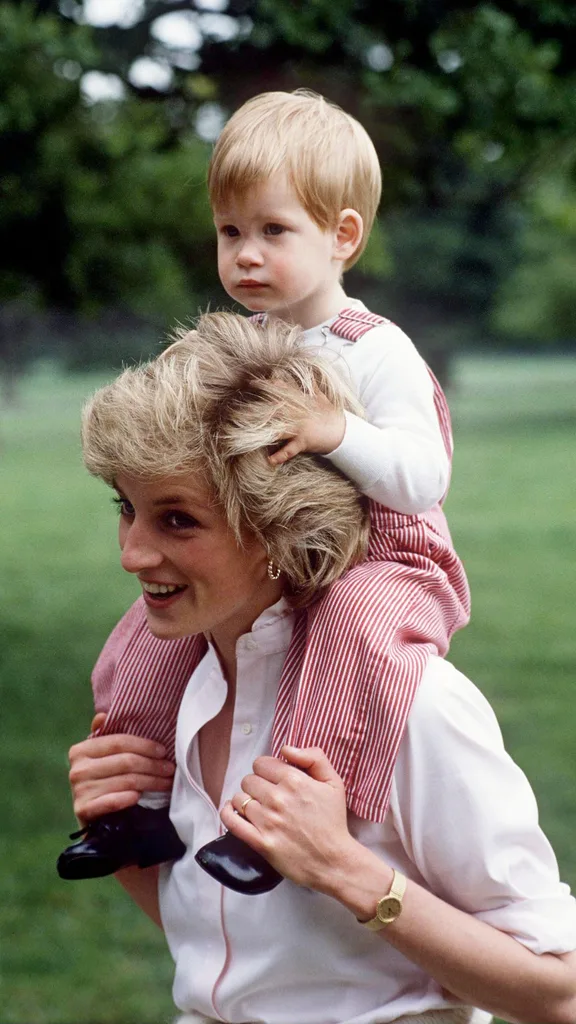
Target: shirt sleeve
{"x": 468, "y": 820}
{"x": 396, "y": 456}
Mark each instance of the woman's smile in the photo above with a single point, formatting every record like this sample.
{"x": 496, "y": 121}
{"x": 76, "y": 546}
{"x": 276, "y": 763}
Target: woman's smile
{"x": 158, "y": 595}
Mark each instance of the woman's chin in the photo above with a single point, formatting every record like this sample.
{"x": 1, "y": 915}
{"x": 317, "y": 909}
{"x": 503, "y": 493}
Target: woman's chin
{"x": 164, "y": 629}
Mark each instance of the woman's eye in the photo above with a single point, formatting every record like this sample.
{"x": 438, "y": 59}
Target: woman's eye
{"x": 123, "y": 507}
{"x": 180, "y": 521}
{"x": 274, "y": 229}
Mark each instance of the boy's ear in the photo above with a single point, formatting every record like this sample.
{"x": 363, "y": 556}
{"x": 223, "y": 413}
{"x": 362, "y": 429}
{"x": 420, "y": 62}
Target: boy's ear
{"x": 349, "y": 234}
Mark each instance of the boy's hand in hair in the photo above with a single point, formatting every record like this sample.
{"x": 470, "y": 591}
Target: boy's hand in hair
{"x": 320, "y": 431}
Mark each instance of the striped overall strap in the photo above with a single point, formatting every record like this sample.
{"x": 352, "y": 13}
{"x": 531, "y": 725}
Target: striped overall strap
{"x": 352, "y": 324}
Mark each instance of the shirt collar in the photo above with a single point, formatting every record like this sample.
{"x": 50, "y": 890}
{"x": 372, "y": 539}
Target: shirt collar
{"x": 270, "y": 632}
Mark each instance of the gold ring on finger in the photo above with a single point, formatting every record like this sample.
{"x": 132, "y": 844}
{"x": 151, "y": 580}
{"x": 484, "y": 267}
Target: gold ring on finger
{"x": 244, "y": 805}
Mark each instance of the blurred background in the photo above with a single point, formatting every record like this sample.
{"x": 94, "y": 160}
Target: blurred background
{"x": 108, "y": 110}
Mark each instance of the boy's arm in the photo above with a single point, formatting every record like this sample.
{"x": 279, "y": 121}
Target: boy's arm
{"x": 404, "y": 469}
{"x": 396, "y": 455}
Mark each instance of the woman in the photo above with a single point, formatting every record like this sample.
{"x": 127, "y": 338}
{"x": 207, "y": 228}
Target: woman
{"x": 458, "y": 887}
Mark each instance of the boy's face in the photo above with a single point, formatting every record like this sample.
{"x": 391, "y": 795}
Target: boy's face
{"x": 273, "y": 258}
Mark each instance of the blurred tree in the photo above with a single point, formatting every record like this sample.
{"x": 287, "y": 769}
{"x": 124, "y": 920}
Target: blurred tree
{"x": 493, "y": 83}
{"x": 536, "y": 304}
{"x": 471, "y": 106}
{"x": 97, "y": 202}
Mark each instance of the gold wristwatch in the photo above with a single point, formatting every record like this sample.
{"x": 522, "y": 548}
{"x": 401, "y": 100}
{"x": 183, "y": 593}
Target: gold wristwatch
{"x": 390, "y": 906}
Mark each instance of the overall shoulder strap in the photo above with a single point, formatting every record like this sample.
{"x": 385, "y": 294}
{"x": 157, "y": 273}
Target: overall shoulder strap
{"x": 352, "y": 324}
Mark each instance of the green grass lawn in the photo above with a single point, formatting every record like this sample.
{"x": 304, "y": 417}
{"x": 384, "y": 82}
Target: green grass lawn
{"x": 80, "y": 953}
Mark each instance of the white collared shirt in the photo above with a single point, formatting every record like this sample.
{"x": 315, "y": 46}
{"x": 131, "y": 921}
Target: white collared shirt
{"x": 396, "y": 455}
{"x": 462, "y": 823}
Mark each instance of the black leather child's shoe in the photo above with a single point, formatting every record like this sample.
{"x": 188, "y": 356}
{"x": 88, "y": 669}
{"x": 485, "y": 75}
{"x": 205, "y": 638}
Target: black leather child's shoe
{"x": 136, "y": 835}
{"x": 235, "y": 864}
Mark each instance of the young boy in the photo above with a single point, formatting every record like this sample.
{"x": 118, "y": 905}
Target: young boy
{"x": 294, "y": 184}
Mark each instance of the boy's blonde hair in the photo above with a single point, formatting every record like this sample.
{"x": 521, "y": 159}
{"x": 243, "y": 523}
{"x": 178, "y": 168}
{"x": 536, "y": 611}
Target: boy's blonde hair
{"x": 214, "y": 404}
{"x": 327, "y": 155}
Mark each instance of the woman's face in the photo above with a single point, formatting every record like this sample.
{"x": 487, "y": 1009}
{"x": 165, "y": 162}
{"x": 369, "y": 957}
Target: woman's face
{"x": 195, "y": 578}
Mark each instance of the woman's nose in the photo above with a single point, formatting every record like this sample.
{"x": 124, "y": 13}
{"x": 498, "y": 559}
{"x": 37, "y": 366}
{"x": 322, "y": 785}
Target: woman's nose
{"x": 138, "y": 549}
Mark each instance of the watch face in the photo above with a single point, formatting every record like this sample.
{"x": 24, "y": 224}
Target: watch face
{"x": 389, "y": 908}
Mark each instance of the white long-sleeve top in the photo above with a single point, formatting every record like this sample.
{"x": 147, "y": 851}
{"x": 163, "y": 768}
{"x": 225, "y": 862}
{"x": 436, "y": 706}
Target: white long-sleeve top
{"x": 462, "y": 822}
{"x": 396, "y": 456}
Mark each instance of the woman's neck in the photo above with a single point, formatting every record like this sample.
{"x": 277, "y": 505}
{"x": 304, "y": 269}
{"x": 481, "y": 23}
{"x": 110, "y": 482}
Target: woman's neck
{"x": 225, "y": 636}
{"x": 226, "y": 654}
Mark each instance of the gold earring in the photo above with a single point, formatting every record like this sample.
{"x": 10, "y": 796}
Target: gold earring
{"x": 273, "y": 570}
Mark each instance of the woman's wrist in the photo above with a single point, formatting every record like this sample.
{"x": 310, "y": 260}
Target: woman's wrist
{"x": 358, "y": 879}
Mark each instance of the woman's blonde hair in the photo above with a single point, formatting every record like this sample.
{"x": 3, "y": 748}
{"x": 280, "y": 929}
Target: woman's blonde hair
{"x": 329, "y": 158}
{"x": 216, "y": 403}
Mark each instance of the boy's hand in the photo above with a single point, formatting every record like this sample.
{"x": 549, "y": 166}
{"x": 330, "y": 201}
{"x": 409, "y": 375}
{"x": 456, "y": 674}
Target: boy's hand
{"x": 319, "y": 432}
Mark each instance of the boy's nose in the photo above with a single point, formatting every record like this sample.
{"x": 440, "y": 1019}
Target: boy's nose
{"x": 249, "y": 256}
{"x": 138, "y": 551}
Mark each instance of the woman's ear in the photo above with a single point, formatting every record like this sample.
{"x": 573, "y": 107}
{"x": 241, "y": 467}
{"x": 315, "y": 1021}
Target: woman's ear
{"x": 348, "y": 235}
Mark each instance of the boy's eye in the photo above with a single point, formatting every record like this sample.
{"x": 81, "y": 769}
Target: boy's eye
{"x": 274, "y": 229}
{"x": 230, "y": 231}
{"x": 123, "y": 507}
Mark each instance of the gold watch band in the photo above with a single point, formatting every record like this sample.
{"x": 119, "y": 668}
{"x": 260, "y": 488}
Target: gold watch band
{"x": 389, "y": 907}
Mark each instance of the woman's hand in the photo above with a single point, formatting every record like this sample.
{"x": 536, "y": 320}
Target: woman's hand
{"x": 298, "y": 822}
{"x": 296, "y": 817}
{"x": 108, "y": 773}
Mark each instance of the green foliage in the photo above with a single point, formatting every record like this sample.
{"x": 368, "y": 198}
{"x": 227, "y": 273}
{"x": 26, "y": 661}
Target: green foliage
{"x": 507, "y": 86}
{"x": 115, "y": 204}
{"x": 472, "y": 109}
{"x": 41, "y": 131}
{"x": 136, "y": 226}
{"x": 536, "y": 304}
{"x": 41, "y": 60}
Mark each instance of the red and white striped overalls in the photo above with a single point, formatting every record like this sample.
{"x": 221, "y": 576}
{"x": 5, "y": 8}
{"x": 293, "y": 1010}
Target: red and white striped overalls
{"x": 356, "y": 656}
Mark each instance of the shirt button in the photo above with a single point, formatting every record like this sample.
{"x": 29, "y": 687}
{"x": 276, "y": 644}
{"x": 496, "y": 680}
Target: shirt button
{"x": 246, "y": 728}
{"x": 252, "y": 645}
